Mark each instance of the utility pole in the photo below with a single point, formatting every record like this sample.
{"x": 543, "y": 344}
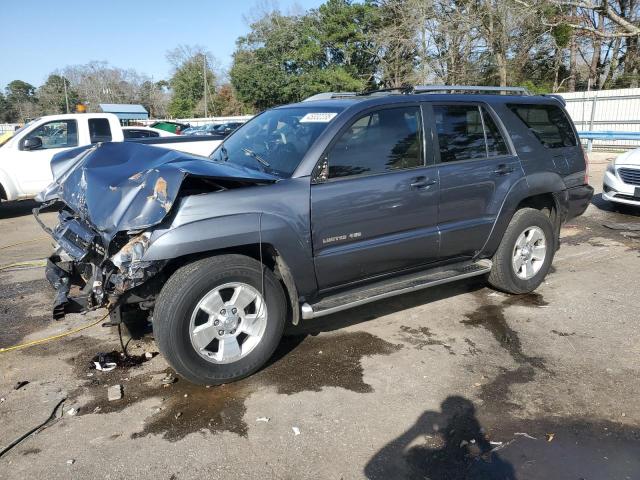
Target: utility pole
{"x": 204, "y": 72}
{"x": 66, "y": 97}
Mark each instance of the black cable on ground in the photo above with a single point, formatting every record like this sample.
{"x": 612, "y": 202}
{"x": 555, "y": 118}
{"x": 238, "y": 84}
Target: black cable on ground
{"x": 33, "y": 430}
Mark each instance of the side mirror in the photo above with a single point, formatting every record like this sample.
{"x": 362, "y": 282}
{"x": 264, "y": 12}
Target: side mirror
{"x": 32, "y": 143}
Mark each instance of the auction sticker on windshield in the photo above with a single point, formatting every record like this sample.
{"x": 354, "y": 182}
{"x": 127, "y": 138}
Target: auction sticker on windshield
{"x": 318, "y": 117}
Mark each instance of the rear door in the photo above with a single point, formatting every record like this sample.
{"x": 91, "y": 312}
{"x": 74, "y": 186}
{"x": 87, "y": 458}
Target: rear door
{"x": 477, "y": 168}
{"x": 374, "y": 199}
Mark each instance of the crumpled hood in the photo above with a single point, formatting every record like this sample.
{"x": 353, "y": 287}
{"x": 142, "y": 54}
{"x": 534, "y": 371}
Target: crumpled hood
{"x": 123, "y": 186}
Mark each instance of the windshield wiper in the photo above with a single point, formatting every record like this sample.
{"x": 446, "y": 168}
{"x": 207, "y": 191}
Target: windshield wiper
{"x": 255, "y": 156}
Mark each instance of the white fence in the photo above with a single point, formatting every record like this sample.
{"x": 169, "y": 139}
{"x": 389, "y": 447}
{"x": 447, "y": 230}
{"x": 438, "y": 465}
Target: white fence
{"x": 606, "y": 110}
{"x": 195, "y": 122}
{"x": 8, "y": 127}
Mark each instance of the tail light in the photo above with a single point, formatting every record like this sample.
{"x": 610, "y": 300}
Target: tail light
{"x": 586, "y": 166}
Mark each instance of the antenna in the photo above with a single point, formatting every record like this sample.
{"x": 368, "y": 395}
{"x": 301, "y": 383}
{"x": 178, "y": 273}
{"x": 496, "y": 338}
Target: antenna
{"x": 204, "y": 73}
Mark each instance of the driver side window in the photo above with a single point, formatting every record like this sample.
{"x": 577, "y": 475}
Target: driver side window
{"x": 56, "y": 134}
{"x": 381, "y": 141}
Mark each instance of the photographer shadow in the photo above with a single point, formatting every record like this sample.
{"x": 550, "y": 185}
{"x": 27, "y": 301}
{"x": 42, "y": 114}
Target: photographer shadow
{"x": 465, "y": 454}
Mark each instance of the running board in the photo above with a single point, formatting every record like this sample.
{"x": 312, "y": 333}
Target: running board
{"x": 392, "y": 287}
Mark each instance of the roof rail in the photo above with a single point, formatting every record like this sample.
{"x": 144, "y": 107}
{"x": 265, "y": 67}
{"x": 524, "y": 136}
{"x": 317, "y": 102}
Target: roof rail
{"x": 470, "y": 88}
{"x": 329, "y": 95}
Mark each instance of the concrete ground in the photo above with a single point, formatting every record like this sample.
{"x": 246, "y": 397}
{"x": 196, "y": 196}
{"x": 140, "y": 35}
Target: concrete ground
{"x": 453, "y": 382}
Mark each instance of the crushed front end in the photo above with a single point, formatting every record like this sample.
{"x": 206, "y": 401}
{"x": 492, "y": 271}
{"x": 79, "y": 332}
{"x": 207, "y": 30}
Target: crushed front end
{"x": 115, "y": 195}
{"x": 87, "y": 274}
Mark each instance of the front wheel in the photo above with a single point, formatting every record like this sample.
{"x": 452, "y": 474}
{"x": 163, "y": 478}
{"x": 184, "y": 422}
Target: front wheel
{"x": 219, "y": 319}
{"x": 525, "y": 253}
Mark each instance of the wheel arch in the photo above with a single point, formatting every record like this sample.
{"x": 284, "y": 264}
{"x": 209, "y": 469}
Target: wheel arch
{"x": 541, "y": 196}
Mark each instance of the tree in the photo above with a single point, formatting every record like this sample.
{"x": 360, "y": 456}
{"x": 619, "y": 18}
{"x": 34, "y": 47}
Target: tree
{"x": 22, "y": 99}
{"x": 7, "y": 114}
{"x": 192, "y": 74}
{"x": 285, "y": 58}
{"x": 52, "y": 97}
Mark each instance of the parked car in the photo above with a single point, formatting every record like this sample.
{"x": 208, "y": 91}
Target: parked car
{"x": 145, "y": 132}
{"x": 223, "y": 129}
{"x": 621, "y": 183}
{"x": 311, "y": 209}
{"x": 171, "y": 127}
{"x": 191, "y": 130}
{"x": 25, "y": 158}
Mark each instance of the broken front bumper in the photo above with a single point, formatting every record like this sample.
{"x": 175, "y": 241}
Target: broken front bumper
{"x": 85, "y": 278}
{"x": 71, "y": 296}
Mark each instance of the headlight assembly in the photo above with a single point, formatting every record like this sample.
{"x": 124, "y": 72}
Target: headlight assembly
{"x": 132, "y": 252}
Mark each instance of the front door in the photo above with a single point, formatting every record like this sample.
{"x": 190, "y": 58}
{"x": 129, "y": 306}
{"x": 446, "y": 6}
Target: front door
{"x": 32, "y": 168}
{"x": 374, "y": 206}
{"x": 477, "y": 169}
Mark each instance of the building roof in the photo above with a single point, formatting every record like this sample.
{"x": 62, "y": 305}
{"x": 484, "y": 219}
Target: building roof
{"x": 125, "y": 111}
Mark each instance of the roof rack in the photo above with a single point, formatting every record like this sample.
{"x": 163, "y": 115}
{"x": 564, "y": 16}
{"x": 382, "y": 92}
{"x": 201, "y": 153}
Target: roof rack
{"x": 408, "y": 90}
{"x": 469, "y": 88}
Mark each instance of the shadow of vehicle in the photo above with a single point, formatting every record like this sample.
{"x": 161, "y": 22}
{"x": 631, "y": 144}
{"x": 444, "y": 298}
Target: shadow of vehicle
{"x": 385, "y": 307}
{"x": 465, "y": 452}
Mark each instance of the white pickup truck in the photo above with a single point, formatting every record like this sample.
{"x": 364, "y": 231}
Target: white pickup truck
{"x": 25, "y": 158}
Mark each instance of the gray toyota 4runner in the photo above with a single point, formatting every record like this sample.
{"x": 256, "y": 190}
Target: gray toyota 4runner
{"x": 310, "y": 209}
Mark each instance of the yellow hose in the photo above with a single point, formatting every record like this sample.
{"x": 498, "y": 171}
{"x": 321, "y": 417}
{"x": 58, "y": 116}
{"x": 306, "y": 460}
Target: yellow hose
{"x": 53, "y": 337}
{"x": 22, "y": 243}
{"x": 30, "y": 263}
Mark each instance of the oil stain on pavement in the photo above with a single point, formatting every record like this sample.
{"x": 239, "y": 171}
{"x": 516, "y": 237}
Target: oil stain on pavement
{"x": 300, "y": 364}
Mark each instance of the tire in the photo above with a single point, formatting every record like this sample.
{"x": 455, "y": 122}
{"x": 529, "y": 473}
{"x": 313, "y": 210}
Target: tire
{"x": 503, "y": 274}
{"x": 203, "y": 284}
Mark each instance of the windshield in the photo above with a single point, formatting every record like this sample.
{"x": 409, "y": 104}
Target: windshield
{"x": 277, "y": 140}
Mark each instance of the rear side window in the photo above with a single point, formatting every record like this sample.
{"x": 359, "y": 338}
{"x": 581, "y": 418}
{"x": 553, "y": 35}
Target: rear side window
{"x": 548, "y": 123}
{"x": 99, "y": 130}
{"x": 381, "y": 141}
{"x": 467, "y": 132}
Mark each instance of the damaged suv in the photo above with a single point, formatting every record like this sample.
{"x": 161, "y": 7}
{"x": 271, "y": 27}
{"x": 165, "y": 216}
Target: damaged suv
{"x": 310, "y": 209}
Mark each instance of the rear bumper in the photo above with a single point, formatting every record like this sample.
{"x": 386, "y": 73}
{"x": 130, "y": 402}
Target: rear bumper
{"x": 578, "y": 199}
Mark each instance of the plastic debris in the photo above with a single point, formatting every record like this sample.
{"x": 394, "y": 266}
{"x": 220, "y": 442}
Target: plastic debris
{"x": 296, "y": 431}
{"x": 20, "y": 384}
{"x": 168, "y": 380}
{"x": 178, "y": 415}
{"x": 263, "y": 419}
{"x": 114, "y": 393}
{"x": 550, "y": 437}
{"x": 526, "y": 435}
{"x": 495, "y": 443}
{"x": 72, "y": 412}
{"x": 71, "y": 461}
{"x": 148, "y": 355}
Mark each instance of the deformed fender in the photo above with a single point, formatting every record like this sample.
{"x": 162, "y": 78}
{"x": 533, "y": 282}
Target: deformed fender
{"x": 236, "y": 230}
{"x": 531, "y": 185}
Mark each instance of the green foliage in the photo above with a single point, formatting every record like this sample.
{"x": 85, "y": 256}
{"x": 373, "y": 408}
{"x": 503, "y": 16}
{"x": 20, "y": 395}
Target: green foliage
{"x": 188, "y": 85}
{"x": 562, "y": 34}
{"x": 7, "y": 113}
{"x": 52, "y": 98}
{"x": 287, "y": 58}
{"x": 19, "y": 91}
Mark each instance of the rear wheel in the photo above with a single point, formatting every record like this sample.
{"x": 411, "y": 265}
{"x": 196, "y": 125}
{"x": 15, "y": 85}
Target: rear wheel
{"x": 525, "y": 253}
{"x": 214, "y": 322}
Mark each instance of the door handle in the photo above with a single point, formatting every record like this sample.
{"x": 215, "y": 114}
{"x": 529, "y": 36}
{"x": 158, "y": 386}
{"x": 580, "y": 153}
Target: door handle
{"x": 504, "y": 169}
{"x": 421, "y": 183}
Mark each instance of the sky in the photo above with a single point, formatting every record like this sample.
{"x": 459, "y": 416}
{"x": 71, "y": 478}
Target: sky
{"x": 39, "y": 36}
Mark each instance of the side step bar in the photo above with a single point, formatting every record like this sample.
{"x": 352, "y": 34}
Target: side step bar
{"x": 392, "y": 287}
